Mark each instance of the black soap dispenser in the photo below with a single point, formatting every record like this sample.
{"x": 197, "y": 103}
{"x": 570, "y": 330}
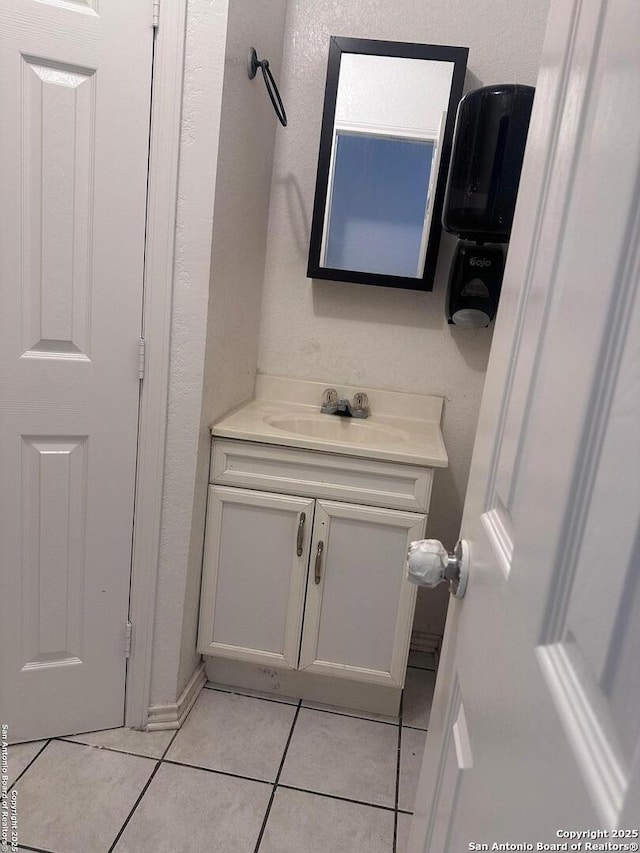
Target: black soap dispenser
{"x": 474, "y": 284}
{"x": 482, "y": 186}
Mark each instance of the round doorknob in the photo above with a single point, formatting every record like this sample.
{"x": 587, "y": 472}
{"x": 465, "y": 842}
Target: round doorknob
{"x": 429, "y": 564}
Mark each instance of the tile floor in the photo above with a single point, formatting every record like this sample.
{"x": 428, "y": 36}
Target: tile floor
{"x": 246, "y": 772}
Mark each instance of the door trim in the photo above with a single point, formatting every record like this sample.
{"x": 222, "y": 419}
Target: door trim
{"x": 164, "y": 150}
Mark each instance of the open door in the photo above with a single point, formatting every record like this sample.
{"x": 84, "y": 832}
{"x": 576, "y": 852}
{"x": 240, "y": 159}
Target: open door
{"x": 535, "y": 728}
{"x": 75, "y": 90}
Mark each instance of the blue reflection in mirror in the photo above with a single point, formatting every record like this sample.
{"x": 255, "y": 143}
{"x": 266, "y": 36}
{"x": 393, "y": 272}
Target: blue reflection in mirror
{"x": 378, "y": 204}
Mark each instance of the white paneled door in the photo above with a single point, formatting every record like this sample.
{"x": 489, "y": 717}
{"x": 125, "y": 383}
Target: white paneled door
{"x": 535, "y": 731}
{"x": 75, "y": 83}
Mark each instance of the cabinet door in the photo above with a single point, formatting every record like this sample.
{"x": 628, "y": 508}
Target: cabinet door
{"x": 253, "y": 579}
{"x": 359, "y": 606}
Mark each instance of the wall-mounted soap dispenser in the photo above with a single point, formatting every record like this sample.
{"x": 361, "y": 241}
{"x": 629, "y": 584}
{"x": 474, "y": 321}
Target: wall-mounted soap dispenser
{"x": 484, "y": 173}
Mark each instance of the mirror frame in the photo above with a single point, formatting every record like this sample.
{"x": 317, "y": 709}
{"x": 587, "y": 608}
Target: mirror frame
{"x": 337, "y": 46}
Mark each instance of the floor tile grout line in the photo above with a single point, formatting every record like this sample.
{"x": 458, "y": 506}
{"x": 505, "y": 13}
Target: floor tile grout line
{"x": 286, "y": 748}
{"x": 175, "y": 763}
{"x": 170, "y": 744}
{"x": 275, "y": 784}
{"x": 111, "y": 748}
{"x": 404, "y": 811}
{"x": 425, "y": 668}
{"x": 249, "y": 696}
{"x": 415, "y": 728}
{"x": 336, "y": 797}
{"x": 90, "y": 732}
{"x": 135, "y": 806}
{"x": 398, "y": 760}
{"x": 350, "y": 716}
{"x": 35, "y": 757}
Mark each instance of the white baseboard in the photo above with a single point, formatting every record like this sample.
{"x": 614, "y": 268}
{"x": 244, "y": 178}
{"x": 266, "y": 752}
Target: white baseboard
{"x": 422, "y": 641}
{"x": 172, "y": 716}
{"x": 316, "y": 687}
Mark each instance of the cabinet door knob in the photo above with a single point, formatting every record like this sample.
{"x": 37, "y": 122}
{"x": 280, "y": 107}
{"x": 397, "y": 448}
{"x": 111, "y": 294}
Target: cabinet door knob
{"x": 300, "y": 538}
{"x": 318, "y": 566}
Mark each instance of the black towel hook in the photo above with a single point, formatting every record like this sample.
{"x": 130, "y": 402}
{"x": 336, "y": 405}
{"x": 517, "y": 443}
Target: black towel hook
{"x": 269, "y": 82}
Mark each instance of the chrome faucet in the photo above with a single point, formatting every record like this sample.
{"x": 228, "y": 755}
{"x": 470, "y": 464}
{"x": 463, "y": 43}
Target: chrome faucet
{"x": 334, "y": 405}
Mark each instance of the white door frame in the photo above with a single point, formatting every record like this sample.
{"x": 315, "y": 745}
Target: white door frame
{"x": 166, "y": 114}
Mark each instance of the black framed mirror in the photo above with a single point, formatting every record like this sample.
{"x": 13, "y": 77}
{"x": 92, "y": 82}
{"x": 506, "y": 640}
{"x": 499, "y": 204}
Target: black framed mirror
{"x": 387, "y": 127}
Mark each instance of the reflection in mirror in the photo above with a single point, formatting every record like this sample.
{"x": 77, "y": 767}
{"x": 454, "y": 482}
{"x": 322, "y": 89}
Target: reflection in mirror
{"x": 377, "y": 217}
{"x": 386, "y": 136}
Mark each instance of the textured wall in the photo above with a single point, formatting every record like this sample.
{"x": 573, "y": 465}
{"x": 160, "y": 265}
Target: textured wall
{"x": 241, "y": 209}
{"x": 201, "y": 110}
{"x": 240, "y": 214}
{"x": 226, "y": 158}
{"x": 354, "y": 334}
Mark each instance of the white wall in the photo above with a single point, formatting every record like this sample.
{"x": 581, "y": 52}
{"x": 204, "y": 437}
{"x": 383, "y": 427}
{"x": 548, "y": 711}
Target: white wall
{"x": 201, "y": 111}
{"x": 360, "y": 335}
{"x": 240, "y": 214}
{"x": 243, "y": 188}
{"x": 226, "y": 158}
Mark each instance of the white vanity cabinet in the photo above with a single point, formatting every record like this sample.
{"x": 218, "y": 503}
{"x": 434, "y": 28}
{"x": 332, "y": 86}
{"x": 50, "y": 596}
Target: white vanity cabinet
{"x": 304, "y": 566}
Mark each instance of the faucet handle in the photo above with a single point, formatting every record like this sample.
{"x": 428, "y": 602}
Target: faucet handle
{"x": 329, "y": 401}
{"x": 361, "y": 401}
{"x": 330, "y": 397}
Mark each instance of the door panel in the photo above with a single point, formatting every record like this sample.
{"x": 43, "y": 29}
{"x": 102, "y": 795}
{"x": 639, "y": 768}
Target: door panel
{"x": 455, "y": 759}
{"x": 58, "y": 112}
{"x": 543, "y": 648}
{"x": 54, "y": 516}
{"x": 358, "y": 617}
{"x": 253, "y": 577}
{"x": 75, "y": 84}
{"x": 590, "y": 662}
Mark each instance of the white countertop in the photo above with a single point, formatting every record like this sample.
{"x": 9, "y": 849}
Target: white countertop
{"x": 401, "y": 427}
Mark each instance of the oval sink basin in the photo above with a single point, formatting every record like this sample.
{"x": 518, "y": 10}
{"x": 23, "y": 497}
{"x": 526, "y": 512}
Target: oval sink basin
{"x": 336, "y": 428}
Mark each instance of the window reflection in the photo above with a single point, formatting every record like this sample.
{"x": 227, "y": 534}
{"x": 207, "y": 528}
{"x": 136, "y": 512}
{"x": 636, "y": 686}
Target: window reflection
{"x": 378, "y": 203}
